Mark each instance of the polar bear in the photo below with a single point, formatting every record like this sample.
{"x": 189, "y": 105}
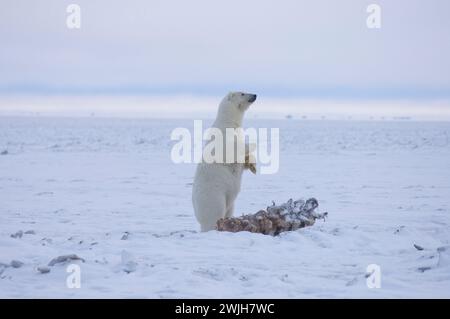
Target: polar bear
{"x": 217, "y": 185}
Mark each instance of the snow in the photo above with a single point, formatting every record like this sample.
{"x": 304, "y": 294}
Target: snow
{"x": 105, "y": 190}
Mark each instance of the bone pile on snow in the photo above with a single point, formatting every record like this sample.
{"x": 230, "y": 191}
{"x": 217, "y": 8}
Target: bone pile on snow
{"x": 275, "y": 219}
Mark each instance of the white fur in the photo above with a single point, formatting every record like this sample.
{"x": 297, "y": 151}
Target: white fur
{"x": 217, "y": 185}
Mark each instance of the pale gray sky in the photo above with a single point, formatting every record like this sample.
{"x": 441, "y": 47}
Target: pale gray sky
{"x": 289, "y": 47}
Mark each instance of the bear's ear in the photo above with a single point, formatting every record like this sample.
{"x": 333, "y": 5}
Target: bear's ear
{"x": 230, "y": 96}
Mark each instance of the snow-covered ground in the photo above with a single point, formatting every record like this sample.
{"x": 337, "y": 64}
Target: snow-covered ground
{"x": 106, "y": 190}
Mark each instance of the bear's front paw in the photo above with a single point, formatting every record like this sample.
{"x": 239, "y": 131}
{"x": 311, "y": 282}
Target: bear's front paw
{"x": 250, "y": 163}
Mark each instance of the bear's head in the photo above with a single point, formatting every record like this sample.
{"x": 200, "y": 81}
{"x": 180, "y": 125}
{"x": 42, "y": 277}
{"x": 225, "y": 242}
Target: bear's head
{"x": 241, "y": 100}
{"x": 233, "y": 107}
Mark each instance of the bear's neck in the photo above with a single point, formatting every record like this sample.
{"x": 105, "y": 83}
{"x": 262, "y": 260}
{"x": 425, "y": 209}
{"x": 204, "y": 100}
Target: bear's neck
{"x": 225, "y": 120}
{"x": 227, "y": 124}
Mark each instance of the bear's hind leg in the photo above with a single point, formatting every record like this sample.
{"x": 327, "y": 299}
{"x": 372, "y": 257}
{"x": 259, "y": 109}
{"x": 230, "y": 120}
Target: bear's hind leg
{"x": 230, "y": 211}
{"x": 210, "y": 210}
{"x": 207, "y": 227}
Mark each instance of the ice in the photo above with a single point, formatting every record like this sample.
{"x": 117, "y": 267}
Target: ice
{"x": 99, "y": 187}
{"x": 64, "y": 259}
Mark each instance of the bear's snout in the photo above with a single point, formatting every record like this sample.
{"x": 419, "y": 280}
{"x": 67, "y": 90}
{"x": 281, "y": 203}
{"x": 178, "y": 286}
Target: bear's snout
{"x": 252, "y": 98}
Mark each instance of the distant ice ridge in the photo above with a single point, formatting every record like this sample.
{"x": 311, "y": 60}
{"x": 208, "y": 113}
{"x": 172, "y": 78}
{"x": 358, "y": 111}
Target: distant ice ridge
{"x": 188, "y": 106}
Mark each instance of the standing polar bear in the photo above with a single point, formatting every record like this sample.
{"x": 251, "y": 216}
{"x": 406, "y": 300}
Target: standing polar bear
{"x": 216, "y": 185}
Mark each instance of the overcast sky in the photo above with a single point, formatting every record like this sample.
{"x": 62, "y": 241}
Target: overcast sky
{"x": 288, "y": 47}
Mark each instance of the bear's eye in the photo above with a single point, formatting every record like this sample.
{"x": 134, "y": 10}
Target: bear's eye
{"x": 242, "y": 94}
